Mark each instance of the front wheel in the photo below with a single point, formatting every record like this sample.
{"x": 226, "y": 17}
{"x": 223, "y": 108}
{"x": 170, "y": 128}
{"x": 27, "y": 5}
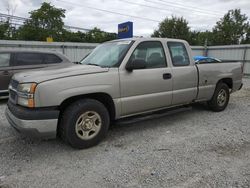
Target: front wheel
{"x": 84, "y": 123}
{"x": 220, "y": 98}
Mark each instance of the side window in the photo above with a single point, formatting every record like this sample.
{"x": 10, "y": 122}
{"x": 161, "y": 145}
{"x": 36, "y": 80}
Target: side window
{"x": 152, "y": 52}
{"x": 28, "y": 59}
{"x": 178, "y": 54}
{"x": 4, "y": 59}
{"x": 52, "y": 59}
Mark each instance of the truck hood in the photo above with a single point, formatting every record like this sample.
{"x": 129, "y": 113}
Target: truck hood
{"x": 56, "y": 72}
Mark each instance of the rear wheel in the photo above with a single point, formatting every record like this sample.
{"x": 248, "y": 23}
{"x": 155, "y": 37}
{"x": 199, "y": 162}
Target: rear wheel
{"x": 220, "y": 98}
{"x": 84, "y": 123}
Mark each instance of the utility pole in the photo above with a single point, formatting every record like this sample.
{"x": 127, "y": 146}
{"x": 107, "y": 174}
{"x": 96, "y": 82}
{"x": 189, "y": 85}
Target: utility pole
{"x": 205, "y": 48}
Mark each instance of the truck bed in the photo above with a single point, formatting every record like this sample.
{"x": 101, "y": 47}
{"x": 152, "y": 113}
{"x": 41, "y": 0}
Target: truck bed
{"x": 210, "y": 73}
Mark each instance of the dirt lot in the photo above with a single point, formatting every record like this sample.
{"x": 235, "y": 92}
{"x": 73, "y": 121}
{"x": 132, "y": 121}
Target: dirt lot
{"x": 188, "y": 147}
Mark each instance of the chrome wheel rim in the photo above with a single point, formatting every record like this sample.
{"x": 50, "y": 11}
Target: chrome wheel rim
{"x": 222, "y": 97}
{"x": 88, "y": 125}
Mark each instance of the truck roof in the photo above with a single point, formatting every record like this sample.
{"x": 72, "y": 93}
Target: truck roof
{"x": 149, "y": 39}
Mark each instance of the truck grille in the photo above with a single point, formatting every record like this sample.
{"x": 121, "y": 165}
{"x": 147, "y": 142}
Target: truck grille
{"x": 14, "y": 84}
{"x": 12, "y": 95}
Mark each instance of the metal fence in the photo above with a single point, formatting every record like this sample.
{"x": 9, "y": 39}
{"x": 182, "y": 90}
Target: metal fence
{"x": 227, "y": 53}
{"x": 76, "y": 51}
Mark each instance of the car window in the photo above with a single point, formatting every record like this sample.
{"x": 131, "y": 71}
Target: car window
{"x": 151, "y": 52}
{"x": 109, "y": 54}
{"x": 4, "y": 59}
{"x": 52, "y": 58}
{"x": 28, "y": 59}
{"x": 178, "y": 54}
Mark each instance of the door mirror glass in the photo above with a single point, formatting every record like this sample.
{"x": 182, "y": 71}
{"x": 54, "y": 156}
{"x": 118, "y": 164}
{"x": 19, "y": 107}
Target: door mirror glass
{"x": 136, "y": 64}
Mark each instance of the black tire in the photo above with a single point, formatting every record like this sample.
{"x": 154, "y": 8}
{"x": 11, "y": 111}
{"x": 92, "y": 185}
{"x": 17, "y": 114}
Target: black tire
{"x": 67, "y": 128}
{"x": 216, "y": 104}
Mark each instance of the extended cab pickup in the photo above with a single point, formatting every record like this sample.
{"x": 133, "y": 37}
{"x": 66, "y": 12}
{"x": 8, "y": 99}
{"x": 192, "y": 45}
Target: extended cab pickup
{"x": 118, "y": 79}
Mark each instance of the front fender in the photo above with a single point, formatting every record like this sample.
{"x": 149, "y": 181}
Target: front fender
{"x": 54, "y": 92}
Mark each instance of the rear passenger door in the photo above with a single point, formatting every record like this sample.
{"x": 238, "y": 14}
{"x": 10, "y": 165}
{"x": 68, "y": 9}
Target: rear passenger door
{"x": 24, "y": 61}
{"x": 185, "y": 76}
{"x": 5, "y": 71}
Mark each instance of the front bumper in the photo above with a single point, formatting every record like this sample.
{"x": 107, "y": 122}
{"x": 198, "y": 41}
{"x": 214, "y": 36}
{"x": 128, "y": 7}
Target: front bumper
{"x": 41, "y": 123}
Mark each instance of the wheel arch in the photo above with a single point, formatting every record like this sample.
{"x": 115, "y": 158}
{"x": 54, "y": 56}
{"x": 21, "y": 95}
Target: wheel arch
{"x": 227, "y": 81}
{"x": 104, "y": 98}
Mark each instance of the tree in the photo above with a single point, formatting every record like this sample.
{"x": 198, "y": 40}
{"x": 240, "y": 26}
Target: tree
{"x": 247, "y": 37}
{"x": 173, "y": 28}
{"x": 4, "y": 30}
{"x": 47, "y": 21}
{"x": 98, "y": 36}
{"x": 43, "y": 22}
{"x": 68, "y": 36}
{"x": 201, "y": 38}
{"x": 231, "y": 29}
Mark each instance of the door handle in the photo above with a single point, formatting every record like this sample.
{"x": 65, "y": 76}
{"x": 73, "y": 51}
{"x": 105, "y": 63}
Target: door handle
{"x": 167, "y": 76}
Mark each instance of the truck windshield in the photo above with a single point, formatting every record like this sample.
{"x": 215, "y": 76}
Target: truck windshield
{"x": 108, "y": 54}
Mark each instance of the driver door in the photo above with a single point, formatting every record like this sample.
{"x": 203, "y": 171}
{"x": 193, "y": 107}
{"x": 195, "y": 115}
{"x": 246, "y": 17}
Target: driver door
{"x": 149, "y": 88}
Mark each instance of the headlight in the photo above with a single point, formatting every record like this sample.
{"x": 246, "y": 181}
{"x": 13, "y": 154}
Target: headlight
{"x": 27, "y": 88}
{"x": 26, "y": 94}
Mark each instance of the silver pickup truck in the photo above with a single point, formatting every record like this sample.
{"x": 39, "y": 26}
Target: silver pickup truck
{"x": 118, "y": 79}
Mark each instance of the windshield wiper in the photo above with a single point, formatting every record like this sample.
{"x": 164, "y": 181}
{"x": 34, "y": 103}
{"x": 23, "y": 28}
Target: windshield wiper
{"x": 93, "y": 64}
{"x": 97, "y": 65}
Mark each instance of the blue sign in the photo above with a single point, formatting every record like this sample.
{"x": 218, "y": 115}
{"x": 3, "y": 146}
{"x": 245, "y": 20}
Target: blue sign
{"x": 125, "y": 30}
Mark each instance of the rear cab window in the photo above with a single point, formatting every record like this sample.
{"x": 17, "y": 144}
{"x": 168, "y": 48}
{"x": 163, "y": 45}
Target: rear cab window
{"x": 178, "y": 53}
{"x": 26, "y": 58}
{"x": 4, "y": 60}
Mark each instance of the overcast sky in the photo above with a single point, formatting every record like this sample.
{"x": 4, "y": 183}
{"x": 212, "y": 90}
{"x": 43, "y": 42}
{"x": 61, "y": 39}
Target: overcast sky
{"x": 201, "y": 15}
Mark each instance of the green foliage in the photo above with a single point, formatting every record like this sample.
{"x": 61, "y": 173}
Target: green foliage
{"x": 201, "y": 38}
{"x": 247, "y": 37}
{"x": 7, "y": 32}
{"x": 43, "y": 22}
{"x": 99, "y": 36}
{"x": 173, "y": 28}
{"x": 4, "y": 30}
{"x": 93, "y": 36}
{"x": 68, "y": 36}
{"x": 47, "y": 21}
{"x": 231, "y": 29}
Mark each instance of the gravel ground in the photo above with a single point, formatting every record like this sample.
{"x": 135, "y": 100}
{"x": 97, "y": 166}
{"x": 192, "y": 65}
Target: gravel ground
{"x": 188, "y": 147}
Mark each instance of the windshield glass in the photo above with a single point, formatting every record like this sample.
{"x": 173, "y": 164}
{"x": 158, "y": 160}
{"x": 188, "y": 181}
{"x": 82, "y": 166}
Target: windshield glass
{"x": 107, "y": 54}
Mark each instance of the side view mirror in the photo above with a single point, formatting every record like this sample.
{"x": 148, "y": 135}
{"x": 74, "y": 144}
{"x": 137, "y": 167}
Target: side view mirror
{"x": 136, "y": 64}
